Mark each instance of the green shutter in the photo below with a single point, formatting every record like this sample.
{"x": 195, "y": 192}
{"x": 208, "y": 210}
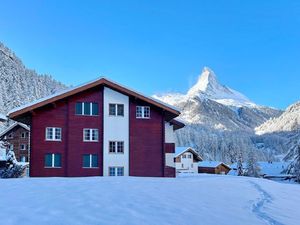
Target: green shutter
{"x": 86, "y": 161}
{"x": 78, "y": 108}
{"x": 87, "y": 108}
{"x": 57, "y": 160}
{"x": 94, "y": 160}
{"x": 95, "y": 109}
{"x": 48, "y": 160}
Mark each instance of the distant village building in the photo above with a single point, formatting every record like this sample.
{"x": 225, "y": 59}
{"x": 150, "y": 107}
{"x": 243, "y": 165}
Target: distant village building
{"x": 186, "y": 160}
{"x": 17, "y": 138}
{"x": 213, "y": 167}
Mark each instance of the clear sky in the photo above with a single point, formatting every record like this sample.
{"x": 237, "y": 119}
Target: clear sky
{"x": 160, "y": 46}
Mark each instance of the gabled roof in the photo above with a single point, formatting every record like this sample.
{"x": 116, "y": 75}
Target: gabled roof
{"x": 101, "y": 81}
{"x": 181, "y": 150}
{"x": 212, "y": 164}
{"x": 13, "y": 126}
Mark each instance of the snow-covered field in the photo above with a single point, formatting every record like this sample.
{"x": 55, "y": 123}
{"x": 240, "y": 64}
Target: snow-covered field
{"x": 202, "y": 199}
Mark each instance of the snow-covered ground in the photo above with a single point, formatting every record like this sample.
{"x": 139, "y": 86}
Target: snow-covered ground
{"x": 200, "y": 199}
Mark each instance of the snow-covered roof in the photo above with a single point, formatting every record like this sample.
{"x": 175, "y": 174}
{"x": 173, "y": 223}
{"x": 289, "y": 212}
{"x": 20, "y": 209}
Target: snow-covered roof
{"x": 102, "y": 80}
{"x": 13, "y": 126}
{"x": 2, "y": 117}
{"x": 268, "y": 168}
{"x": 180, "y": 150}
{"x": 211, "y": 164}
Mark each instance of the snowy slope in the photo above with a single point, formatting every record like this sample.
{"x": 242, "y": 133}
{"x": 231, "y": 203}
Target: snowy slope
{"x": 142, "y": 201}
{"x": 289, "y": 121}
{"x": 20, "y": 85}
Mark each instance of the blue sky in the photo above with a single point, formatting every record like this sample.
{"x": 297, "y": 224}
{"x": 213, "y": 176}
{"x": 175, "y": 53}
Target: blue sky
{"x": 160, "y": 46}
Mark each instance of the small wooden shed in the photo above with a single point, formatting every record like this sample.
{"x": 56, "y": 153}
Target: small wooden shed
{"x": 213, "y": 167}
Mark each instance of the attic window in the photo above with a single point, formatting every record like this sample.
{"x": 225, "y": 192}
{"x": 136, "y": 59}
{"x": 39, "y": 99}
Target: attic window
{"x": 87, "y": 108}
{"x": 143, "y": 112}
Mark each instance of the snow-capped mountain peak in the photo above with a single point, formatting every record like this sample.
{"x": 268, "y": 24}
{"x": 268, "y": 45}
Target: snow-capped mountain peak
{"x": 207, "y": 83}
{"x": 208, "y": 86}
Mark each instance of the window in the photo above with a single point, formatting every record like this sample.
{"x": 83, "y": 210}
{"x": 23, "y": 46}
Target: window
{"x": 182, "y": 165}
{"x": 143, "y": 112}
{"x": 23, "y": 159}
{"x": 183, "y": 156}
{"x": 10, "y": 136}
{"x": 90, "y": 161}
{"x": 90, "y": 135}
{"x": 189, "y": 156}
{"x": 192, "y": 165}
{"x": 53, "y": 134}
{"x": 53, "y": 160}
{"x": 87, "y": 108}
{"x": 23, "y": 147}
{"x": 116, "y": 171}
{"x": 24, "y": 134}
{"x": 116, "y": 147}
{"x": 11, "y": 147}
{"x": 116, "y": 109}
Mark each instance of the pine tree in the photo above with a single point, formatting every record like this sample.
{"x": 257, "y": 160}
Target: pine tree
{"x": 239, "y": 165}
{"x": 252, "y": 169}
{"x": 13, "y": 169}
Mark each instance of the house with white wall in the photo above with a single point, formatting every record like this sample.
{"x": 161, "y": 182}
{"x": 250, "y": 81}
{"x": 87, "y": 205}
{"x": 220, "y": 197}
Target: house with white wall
{"x": 186, "y": 160}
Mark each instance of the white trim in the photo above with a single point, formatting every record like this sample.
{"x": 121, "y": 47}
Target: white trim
{"x": 143, "y": 112}
{"x": 53, "y": 134}
{"x": 90, "y": 135}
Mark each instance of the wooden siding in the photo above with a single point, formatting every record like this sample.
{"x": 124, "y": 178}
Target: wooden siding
{"x": 72, "y": 147}
{"x": 146, "y": 156}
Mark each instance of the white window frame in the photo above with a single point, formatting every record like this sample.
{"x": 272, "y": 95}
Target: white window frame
{"x": 116, "y": 147}
{"x": 53, "y": 133}
{"x": 116, "y": 109}
{"x": 23, "y": 149}
{"x": 116, "y": 171}
{"x": 23, "y": 135}
{"x": 91, "y": 164}
{"x": 52, "y": 161}
{"x": 143, "y": 112}
{"x": 90, "y": 135}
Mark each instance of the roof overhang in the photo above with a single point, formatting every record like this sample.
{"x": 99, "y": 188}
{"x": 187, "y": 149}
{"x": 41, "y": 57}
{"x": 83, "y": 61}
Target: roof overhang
{"x": 177, "y": 124}
{"x": 26, "y": 109}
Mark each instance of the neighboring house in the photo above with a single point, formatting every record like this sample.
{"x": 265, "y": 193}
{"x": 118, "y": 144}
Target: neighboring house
{"x": 186, "y": 160}
{"x": 17, "y": 136}
{"x": 213, "y": 167}
{"x": 100, "y": 129}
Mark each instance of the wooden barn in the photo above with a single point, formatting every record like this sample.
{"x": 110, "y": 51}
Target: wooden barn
{"x": 213, "y": 167}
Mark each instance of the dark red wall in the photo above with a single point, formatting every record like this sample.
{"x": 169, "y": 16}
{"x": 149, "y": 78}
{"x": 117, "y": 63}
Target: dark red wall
{"x": 72, "y": 147}
{"x": 146, "y": 143}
